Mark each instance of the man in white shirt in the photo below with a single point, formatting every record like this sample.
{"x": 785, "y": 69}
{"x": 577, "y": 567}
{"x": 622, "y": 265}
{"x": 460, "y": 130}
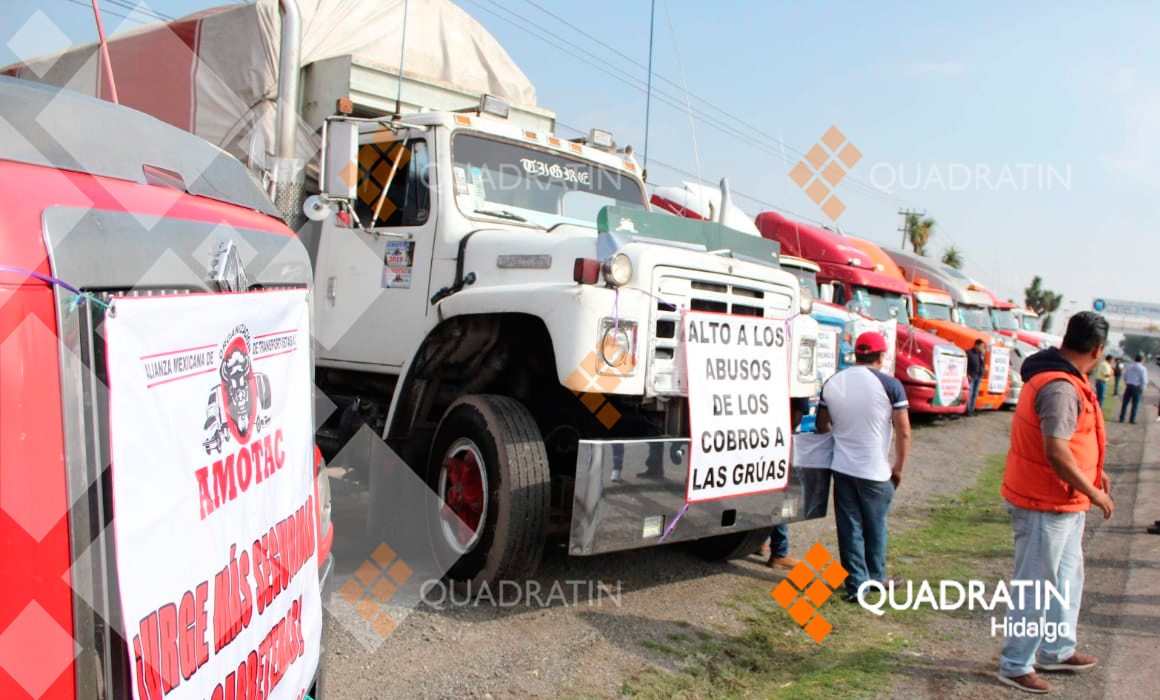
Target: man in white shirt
{"x": 864, "y": 408}
{"x": 1135, "y": 379}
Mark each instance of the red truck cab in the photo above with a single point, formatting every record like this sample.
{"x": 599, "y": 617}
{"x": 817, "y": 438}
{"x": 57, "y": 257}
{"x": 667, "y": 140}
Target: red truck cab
{"x": 102, "y": 200}
{"x": 860, "y": 285}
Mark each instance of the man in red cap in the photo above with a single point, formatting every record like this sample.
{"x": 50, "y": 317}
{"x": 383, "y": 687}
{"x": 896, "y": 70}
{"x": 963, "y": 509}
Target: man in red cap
{"x": 865, "y": 409}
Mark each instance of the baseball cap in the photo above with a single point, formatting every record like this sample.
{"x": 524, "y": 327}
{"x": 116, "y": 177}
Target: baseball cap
{"x": 869, "y": 342}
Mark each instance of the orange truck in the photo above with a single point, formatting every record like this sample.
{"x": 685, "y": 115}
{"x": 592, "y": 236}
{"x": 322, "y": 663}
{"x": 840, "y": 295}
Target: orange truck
{"x": 972, "y": 308}
{"x": 933, "y": 310}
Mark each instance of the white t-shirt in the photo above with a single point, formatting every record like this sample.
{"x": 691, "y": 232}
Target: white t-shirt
{"x": 861, "y": 402}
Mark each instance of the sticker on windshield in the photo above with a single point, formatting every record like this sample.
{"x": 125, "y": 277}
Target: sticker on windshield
{"x": 461, "y": 181}
{"x": 476, "y": 187}
{"x": 534, "y": 166}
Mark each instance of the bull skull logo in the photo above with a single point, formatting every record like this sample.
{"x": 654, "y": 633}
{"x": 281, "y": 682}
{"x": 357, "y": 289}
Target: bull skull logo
{"x": 239, "y": 404}
{"x": 237, "y": 383}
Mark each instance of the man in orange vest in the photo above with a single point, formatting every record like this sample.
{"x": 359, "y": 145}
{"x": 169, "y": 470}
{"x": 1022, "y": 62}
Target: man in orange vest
{"x": 1054, "y": 475}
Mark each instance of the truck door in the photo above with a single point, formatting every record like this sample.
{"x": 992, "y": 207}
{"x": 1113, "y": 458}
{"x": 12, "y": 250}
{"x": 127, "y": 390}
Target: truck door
{"x": 380, "y": 272}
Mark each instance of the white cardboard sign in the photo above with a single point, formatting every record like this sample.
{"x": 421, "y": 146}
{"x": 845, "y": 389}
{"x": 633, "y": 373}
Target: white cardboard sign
{"x": 888, "y": 330}
{"x": 998, "y": 371}
{"x": 213, "y": 484}
{"x": 738, "y": 369}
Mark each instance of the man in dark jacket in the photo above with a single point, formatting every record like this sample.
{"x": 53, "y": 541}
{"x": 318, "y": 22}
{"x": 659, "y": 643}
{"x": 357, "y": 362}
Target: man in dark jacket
{"x": 976, "y": 362}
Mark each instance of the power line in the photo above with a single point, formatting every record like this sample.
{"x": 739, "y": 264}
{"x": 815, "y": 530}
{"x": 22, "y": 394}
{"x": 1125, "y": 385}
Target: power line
{"x": 583, "y": 54}
{"x": 798, "y": 154}
{"x": 89, "y": 7}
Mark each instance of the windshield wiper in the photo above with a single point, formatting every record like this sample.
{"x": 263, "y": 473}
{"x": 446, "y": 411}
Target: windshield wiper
{"x": 503, "y": 214}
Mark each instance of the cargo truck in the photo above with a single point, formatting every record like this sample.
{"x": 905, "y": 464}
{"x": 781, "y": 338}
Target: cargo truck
{"x": 103, "y": 201}
{"x": 972, "y": 308}
{"x": 469, "y": 263}
{"x": 858, "y": 284}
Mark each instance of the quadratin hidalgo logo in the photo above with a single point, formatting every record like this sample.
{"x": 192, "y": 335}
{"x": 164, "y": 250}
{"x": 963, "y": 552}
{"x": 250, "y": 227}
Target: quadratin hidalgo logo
{"x": 240, "y": 402}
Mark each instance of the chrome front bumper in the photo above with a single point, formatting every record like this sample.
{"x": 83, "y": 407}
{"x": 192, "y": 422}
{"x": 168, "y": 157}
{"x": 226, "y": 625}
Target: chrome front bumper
{"x": 629, "y": 491}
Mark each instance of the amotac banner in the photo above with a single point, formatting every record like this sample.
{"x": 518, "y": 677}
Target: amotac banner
{"x": 213, "y": 486}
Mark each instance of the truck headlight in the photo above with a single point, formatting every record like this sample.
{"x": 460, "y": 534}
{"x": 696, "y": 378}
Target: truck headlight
{"x": 618, "y": 344}
{"x": 617, "y": 269}
{"x": 921, "y": 374}
{"x": 806, "y": 304}
{"x": 806, "y": 360}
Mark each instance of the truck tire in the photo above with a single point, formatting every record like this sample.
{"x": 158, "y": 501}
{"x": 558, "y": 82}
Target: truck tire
{"x": 489, "y": 467}
{"x": 734, "y": 545}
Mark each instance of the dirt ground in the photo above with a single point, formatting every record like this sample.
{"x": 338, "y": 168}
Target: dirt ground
{"x": 1120, "y": 618}
{"x": 533, "y": 652}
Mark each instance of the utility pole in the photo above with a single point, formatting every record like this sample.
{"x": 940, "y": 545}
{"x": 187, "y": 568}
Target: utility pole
{"x": 905, "y": 214}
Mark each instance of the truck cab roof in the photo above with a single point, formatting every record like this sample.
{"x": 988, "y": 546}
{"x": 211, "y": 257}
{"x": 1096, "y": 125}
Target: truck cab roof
{"x": 66, "y": 130}
{"x": 837, "y": 256}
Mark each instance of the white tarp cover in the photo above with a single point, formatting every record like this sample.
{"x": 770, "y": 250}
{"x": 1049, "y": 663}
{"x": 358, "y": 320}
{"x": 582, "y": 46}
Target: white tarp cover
{"x": 215, "y": 72}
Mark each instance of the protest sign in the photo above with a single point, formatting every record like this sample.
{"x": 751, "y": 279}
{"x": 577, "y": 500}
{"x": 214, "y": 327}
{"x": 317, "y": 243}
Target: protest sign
{"x": 950, "y": 368}
{"x": 738, "y": 405}
{"x": 999, "y": 369}
{"x": 888, "y": 330}
{"x": 213, "y": 484}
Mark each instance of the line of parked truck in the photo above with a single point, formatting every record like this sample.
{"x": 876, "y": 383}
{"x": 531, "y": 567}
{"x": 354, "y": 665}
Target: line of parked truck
{"x": 465, "y": 261}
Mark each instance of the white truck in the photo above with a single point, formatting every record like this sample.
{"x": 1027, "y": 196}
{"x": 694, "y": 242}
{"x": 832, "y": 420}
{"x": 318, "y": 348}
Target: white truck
{"x": 513, "y": 330}
{"x": 495, "y": 301}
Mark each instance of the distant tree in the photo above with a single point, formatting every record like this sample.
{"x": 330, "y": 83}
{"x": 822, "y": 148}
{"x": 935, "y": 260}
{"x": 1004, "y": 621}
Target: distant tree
{"x": 952, "y": 257}
{"x": 1042, "y": 301}
{"x": 918, "y": 232}
{"x": 1132, "y": 345}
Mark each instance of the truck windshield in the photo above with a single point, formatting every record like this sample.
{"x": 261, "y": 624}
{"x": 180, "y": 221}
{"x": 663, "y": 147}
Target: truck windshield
{"x": 1030, "y": 323}
{"x": 1004, "y": 319}
{"x": 495, "y": 178}
{"x": 975, "y": 317}
{"x": 807, "y": 279}
{"x": 934, "y": 311}
{"x": 877, "y": 304}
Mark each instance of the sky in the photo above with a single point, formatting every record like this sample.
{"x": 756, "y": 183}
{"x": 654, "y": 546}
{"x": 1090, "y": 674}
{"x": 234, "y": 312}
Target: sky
{"x": 934, "y": 95}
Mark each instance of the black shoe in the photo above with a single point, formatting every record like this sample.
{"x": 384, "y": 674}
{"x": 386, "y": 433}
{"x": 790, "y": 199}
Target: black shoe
{"x": 1154, "y": 530}
{"x": 851, "y": 598}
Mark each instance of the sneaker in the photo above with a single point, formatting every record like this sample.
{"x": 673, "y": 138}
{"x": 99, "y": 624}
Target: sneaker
{"x": 786, "y": 562}
{"x": 1028, "y": 683}
{"x": 1075, "y": 662}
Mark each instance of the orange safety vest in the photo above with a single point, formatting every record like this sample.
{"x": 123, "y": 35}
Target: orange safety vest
{"x": 1029, "y": 481}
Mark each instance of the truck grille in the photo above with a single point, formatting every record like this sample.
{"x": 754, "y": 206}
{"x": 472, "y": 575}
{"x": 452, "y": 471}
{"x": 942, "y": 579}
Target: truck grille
{"x": 676, "y": 290}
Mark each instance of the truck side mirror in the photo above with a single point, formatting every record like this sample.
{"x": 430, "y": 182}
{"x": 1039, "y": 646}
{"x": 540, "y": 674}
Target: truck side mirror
{"x": 341, "y": 159}
{"x": 826, "y": 292}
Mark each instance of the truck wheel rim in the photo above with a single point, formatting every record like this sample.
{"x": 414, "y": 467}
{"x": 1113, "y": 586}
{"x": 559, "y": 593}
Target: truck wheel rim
{"x": 463, "y": 490}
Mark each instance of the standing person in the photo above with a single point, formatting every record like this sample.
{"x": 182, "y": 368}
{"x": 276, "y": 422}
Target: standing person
{"x": 864, "y": 408}
{"x": 1135, "y": 379}
{"x": 976, "y": 363}
{"x": 1054, "y": 474}
{"x": 1103, "y": 376}
{"x": 1117, "y": 371}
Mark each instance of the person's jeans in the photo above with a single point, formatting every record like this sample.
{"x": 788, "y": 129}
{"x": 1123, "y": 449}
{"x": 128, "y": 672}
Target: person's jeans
{"x": 816, "y": 485}
{"x": 974, "y": 395}
{"x": 1048, "y": 547}
{"x": 779, "y": 541}
{"x": 1131, "y": 394}
{"x": 860, "y": 508}
{"x": 1101, "y": 387}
